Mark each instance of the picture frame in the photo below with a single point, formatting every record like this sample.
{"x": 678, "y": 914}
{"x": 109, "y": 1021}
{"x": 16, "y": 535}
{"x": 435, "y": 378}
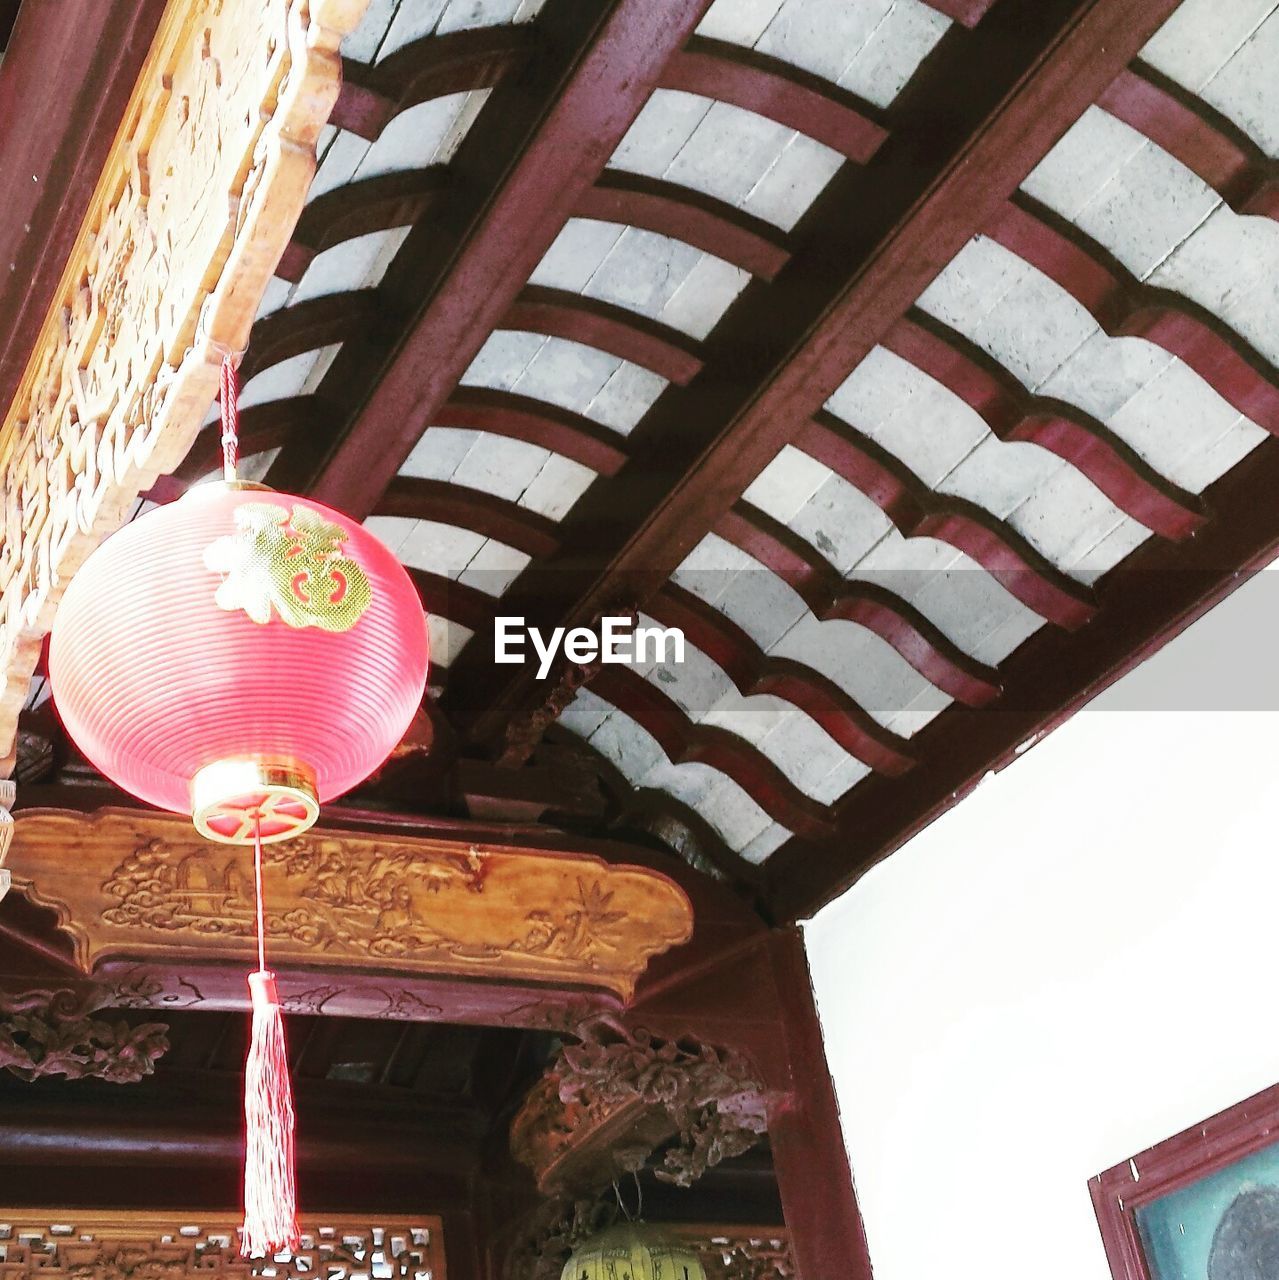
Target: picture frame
{"x": 1201, "y": 1205}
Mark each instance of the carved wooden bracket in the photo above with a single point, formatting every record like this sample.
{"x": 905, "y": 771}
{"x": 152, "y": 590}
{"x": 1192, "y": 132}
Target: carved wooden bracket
{"x": 49, "y": 1244}
{"x": 136, "y": 885}
{"x": 52, "y": 1033}
{"x": 607, "y": 1102}
{"x": 194, "y": 207}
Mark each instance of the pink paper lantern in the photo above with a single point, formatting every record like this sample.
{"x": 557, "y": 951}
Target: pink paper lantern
{"x": 239, "y": 653}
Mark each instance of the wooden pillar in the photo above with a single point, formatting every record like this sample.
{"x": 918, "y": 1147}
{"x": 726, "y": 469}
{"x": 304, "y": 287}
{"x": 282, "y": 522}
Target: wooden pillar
{"x": 809, "y": 1156}
{"x": 758, "y": 997}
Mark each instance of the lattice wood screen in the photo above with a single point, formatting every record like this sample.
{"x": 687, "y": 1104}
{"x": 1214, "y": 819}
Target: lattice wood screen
{"x": 45, "y": 1244}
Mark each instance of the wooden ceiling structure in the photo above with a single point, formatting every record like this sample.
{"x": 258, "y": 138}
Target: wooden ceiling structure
{"x": 784, "y": 323}
{"x": 916, "y": 358}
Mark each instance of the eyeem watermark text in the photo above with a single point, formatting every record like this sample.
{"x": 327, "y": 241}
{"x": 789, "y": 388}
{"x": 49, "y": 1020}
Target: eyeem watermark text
{"x": 618, "y": 640}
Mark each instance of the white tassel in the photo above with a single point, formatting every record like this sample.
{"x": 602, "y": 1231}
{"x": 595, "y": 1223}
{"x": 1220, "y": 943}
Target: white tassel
{"x": 270, "y": 1188}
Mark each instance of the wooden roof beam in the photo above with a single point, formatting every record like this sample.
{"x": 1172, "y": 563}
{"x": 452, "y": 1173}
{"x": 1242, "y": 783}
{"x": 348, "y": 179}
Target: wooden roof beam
{"x": 988, "y": 105}
{"x": 542, "y": 141}
{"x": 1155, "y": 595}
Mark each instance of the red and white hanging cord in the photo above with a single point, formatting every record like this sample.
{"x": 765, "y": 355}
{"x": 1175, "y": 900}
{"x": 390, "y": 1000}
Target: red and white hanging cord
{"x": 230, "y": 420}
{"x": 270, "y": 1183}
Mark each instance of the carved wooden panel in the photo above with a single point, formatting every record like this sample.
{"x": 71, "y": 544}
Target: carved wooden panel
{"x": 46, "y": 1244}
{"x": 611, "y": 1099}
{"x": 196, "y": 202}
{"x": 53, "y": 1033}
{"x": 140, "y": 885}
{"x": 739, "y": 1253}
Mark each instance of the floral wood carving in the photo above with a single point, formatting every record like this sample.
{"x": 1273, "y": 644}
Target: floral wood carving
{"x": 52, "y": 1033}
{"x": 738, "y": 1253}
{"x": 608, "y": 1101}
{"x": 153, "y": 1246}
{"x": 144, "y": 885}
{"x": 195, "y": 204}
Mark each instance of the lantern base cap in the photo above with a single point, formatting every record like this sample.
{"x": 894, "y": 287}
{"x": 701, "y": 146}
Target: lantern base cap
{"x": 230, "y": 798}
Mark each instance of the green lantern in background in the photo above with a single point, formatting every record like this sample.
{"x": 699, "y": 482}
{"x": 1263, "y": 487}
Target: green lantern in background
{"x": 633, "y": 1251}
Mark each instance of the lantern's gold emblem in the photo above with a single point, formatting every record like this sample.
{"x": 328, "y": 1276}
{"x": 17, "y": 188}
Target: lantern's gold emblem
{"x": 289, "y": 562}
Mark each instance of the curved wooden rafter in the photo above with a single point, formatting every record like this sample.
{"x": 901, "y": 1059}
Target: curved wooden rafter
{"x": 679, "y": 212}
{"x": 968, "y": 13}
{"x": 613, "y": 329}
{"x": 778, "y": 91}
{"x": 1124, "y": 307}
{"x": 753, "y": 671}
{"x": 457, "y": 601}
{"x": 917, "y": 511}
{"x": 685, "y": 742}
{"x": 1198, "y": 136}
{"x": 829, "y": 596}
{"x": 390, "y": 200}
{"x": 431, "y": 67}
{"x": 307, "y": 326}
{"x": 1014, "y": 414}
{"x": 415, "y": 498}
{"x": 536, "y": 422}
{"x": 403, "y": 198}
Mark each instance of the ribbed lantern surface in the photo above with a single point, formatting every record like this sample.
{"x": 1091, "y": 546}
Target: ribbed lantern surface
{"x": 238, "y": 623}
{"x": 633, "y": 1251}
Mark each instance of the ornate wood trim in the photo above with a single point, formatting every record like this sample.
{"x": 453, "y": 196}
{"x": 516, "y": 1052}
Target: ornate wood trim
{"x": 48, "y": 1244}
{"x": 132, "y": 885}
{"x": 195, "y": 204}
{"x": 607, "y": 1102}
{"x": 733, "y": 1252}
{"x": 53, "y": 1033}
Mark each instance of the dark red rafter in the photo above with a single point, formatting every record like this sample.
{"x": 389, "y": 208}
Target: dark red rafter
{"x": 416, "y": 498}
{"x": 831, "y": 596}
{"x": 456, "y": 601}
{"x": 918, "y": 511}
{"x": 8, "y": 16}
{"x": 711, "y": 225}
{"x": 780, "y": 91}
{"x": 983, "y": 110}
{"x": 403, "y": 198}
{"x": 1200, "y": 137}
{"x": 1156, "y": 593}
{"x": 432, "y": 67}
{"x": 318, "y": 322}
{"x": 503, "y": 413}
{"x": 262, "y": 426}
{"x": 1013, "y": 413}
{"x": 358, "y": 208}
{"x": 685, "y": 742}
{"x": 753, "y": 671}
{"x": 621, "y": 333}
{"x": 1124, "y": 307}
{"x": 967, "y": 12}
{"x": 541, "y": 142}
